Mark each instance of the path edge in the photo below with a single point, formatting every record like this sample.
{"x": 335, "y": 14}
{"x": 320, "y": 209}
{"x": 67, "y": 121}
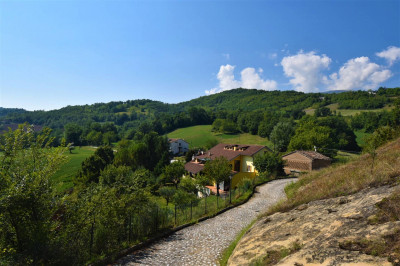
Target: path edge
{"x": 112, "y": 258}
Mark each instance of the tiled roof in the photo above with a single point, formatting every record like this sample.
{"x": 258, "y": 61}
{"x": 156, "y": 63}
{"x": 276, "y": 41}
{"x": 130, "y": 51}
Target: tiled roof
{"x": 193, "y": 167}
{"x": 173, "y": 140}
{"x": 230, "y": 151}
{"x": 311, "y": 155}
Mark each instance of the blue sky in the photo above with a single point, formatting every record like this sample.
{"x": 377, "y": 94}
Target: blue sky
{"x": 59, "y": 53}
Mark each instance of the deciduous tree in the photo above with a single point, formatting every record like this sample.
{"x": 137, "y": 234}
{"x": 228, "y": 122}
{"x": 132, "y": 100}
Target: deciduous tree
{"x": 27, "y": 201}
{"x": 218, "y": 170}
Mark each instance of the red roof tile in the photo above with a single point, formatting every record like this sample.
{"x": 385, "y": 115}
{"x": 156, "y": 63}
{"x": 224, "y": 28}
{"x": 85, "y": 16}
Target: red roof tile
{"x": 193, "y": 167}
{"x": 227, "y": 151}
{"x": 311, "y": 155}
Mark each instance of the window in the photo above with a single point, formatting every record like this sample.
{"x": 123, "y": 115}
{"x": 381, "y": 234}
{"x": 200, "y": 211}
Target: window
{"x": 237, "y": 166}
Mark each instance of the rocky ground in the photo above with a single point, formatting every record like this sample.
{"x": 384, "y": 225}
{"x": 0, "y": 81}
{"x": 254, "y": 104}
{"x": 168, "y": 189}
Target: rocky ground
{"x": 203, "y": 243}
{"x": 315, "y": 233}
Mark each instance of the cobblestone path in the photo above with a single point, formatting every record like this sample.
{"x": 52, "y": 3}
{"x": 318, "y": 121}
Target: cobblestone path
{"x": 203, "y": 243}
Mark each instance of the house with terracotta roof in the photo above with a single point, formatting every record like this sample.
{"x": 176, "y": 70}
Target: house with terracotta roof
{"x": 304, "y": 161}
{"x": 178, "y": 146}
{"x": 240, "y": 157}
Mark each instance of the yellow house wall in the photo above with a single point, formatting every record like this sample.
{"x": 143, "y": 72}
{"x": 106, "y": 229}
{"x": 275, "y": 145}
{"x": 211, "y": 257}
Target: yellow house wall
{"x": 245, "y": 161}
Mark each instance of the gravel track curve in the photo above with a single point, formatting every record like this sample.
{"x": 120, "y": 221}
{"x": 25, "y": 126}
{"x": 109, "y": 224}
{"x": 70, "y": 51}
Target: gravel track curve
{"x": 203, "y": 243}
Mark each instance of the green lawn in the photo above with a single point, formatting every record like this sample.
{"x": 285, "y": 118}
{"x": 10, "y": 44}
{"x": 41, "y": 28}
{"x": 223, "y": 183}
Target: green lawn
{"x": 63, "y": 177}
{"x": 198, "y": 136}
{"x": 348, "y": 112}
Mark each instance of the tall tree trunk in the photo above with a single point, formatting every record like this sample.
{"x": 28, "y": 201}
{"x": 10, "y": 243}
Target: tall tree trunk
{"x": 17, "y": 231}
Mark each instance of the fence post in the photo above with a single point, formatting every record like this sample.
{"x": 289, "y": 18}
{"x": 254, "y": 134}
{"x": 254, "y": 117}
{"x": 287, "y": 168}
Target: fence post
{"x": 205, "y": 204}
{"x": 130, "y": 228}
{"x": 175, "y": 214}
{"x": 156, "y": 218}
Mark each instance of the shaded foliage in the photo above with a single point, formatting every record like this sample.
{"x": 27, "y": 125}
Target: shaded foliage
{"x": 269, "y": 163}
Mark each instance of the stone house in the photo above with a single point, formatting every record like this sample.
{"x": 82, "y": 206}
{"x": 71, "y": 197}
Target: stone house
{"x": 178, "y": 146}
{"x": 304, "y": 161}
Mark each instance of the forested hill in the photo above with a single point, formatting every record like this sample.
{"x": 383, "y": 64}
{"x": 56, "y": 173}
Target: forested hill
{"x": 140, "y": 110}
{"x": 136, "y": 111}
{"x": 7, "y": 111}
{"x": 250, "y": 100}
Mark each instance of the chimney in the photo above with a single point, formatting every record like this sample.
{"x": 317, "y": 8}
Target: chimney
{"x": 315, "y": 148}
{"x": 234, "y": 148}
{"x": 209, "y": 154}
{"x": 193, "y": 157}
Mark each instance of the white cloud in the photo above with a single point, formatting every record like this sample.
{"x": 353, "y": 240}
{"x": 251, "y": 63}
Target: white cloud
{"x": 305, "y": 70}
{"x": 391, "y": 54}
{"x": 307, "y": 73}
{"x": 227, "y": 78}
{"x": 250, "y": 79}
{"x": 359, "y": 73}
{"x": 227, "y": 56}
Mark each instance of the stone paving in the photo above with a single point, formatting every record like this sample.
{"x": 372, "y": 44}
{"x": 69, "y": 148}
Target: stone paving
{"x": 203, "y": 243}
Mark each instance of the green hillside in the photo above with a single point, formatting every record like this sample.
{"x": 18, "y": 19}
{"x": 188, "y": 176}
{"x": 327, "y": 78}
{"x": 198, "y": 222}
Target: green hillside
{"x": 350, "y": 112}
{"x": 247, "y": 111}
{"x": 198, "y": 136}
{"x": 63, "y": 177}
{"x": 134, "y": 112}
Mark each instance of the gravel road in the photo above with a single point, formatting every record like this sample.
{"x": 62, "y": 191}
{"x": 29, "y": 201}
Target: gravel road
{"x": 203, "y": 243}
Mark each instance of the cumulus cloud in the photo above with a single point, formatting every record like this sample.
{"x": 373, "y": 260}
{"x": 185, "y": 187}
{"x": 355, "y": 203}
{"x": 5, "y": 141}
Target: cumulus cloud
{"x": 250, "y": 79}
{"x": 307, "y": 73}
{"x": 359, "y": 73}
{"x": 305, "y": 69}
{"x": 391, "y": 54}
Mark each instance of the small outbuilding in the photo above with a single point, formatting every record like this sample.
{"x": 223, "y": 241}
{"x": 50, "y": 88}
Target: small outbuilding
{"x": 178, "y": 146}
{"x": 304, "y": 161}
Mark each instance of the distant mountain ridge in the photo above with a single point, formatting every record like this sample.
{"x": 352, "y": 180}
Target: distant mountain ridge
{"x": 6, "y": 111}
{"x": 241, "y": 100}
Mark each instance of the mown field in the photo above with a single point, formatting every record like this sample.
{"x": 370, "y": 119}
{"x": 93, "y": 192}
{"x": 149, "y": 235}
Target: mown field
{"x": 63, "y": 177}
{"x": 349, "y": 112}
{"x": 199, "y": 136}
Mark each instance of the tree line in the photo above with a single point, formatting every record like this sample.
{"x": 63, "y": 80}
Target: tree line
{"x": 130, "y": 115}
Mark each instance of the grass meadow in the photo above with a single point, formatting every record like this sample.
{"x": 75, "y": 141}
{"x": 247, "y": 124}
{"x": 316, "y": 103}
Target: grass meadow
{"x": 199, "y": 136}
{"x": 349, "y": 112}
{"x": 63, "y": 177}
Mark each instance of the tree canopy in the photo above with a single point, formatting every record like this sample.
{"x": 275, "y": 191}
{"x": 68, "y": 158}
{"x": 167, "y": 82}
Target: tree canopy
{"x": 218, "y": 170}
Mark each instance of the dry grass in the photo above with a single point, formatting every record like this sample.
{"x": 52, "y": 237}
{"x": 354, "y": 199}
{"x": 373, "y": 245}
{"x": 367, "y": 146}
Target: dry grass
{"x": 389, "y": 209}
{"x": 386, "y": 246}
{"x": 345, "y": 179}
{"x": 274, "y": 256}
